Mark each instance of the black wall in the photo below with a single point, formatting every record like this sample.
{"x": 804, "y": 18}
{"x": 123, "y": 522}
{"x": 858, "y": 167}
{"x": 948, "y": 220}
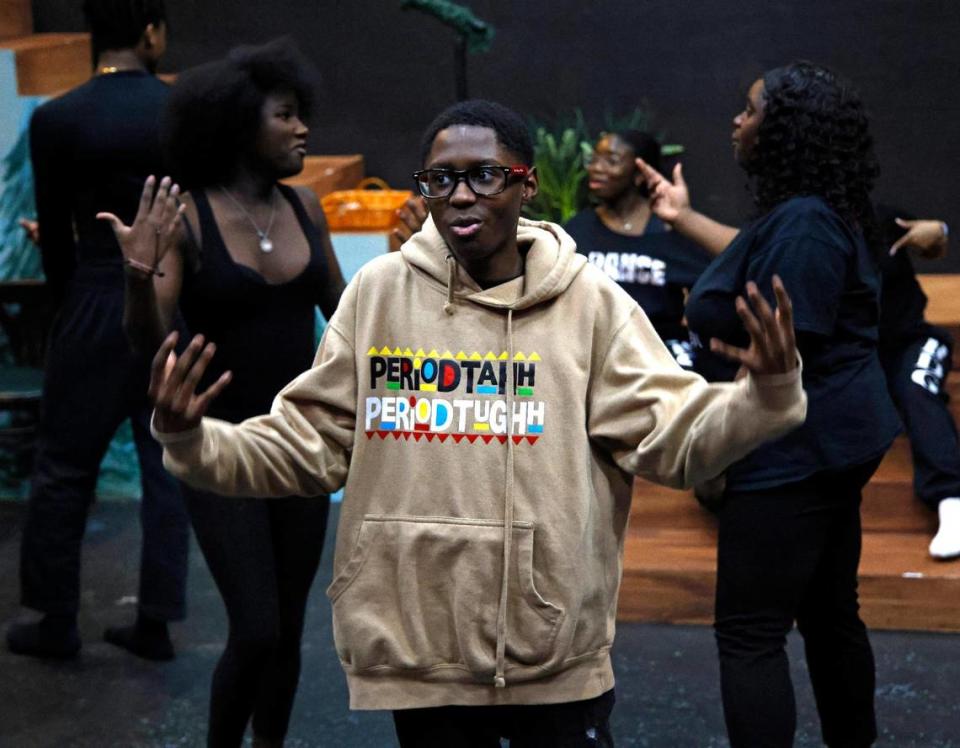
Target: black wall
{"x": 388, "y": 72}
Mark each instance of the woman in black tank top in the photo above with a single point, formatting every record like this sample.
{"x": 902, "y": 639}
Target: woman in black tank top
{"x": 253, "y": 262}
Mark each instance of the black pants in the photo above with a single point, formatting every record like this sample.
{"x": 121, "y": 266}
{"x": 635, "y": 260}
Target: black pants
{"x": 786, "y": 554}
{"x": 92, "y": 384}
{"x": 916, "y": 373}
{"x": 263, "y": 554}
{"x": 577, "y": 724}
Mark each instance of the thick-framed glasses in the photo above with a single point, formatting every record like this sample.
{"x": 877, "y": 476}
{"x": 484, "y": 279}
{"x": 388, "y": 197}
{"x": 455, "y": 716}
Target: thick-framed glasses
{"x": 485, "y": 181}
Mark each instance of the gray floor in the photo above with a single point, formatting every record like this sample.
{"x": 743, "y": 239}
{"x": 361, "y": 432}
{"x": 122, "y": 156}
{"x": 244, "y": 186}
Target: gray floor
{"x": 667, "y": 692}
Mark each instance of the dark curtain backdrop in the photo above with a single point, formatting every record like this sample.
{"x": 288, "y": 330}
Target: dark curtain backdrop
{"x": 387, "y": 72}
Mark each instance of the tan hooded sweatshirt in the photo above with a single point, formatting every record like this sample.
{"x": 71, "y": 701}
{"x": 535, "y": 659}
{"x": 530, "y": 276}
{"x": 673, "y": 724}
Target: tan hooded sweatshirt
{"x": 451, "y": 413}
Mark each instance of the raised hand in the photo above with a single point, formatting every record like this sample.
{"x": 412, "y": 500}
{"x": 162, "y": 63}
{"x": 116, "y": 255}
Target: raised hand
{"x": 173, "y": 384}
{"x": 927, "y": 237}
{"x": 773, "y": 344}
{"x": 154, "y": 229}
{"x": 668, "y": 200}
{"x": 412, "y": 214}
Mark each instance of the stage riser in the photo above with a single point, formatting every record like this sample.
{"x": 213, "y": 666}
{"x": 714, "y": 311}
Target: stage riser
{"x": 670, "y": 551}
{"x": 49, "y": 64}
{"x": 669, "y": 577}
{"x": 888, "y": 506}
{"x": 16, "y": 18}
{"x": 886, "y": 603}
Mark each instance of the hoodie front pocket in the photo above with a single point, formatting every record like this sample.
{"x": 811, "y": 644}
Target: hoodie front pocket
{"x": 423, "y": 592}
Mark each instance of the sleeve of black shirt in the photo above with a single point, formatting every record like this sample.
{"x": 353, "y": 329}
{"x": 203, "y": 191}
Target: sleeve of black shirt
{"x": 811, "y": 258}
{"x": 51, "y": 189}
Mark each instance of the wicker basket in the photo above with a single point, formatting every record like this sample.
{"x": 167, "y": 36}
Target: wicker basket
{"x": 364, "y": 209}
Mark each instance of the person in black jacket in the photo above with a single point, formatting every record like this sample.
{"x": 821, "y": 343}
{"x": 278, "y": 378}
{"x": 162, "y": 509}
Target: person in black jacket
{"x": 91, "y": 150}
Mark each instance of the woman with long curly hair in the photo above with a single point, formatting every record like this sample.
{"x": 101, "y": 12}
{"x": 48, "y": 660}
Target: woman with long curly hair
{"x": 789, "y": 516}
{"x": 252, "y": 263}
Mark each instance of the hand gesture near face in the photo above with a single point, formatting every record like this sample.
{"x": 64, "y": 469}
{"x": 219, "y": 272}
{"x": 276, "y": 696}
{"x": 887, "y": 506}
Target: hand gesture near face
{"x": 668, "y": 200}
{"x": 173, "y": 384}
{"x": 412, "y": 215}
{"x": 773, "y": 345}
{"x": 154, "y": 229}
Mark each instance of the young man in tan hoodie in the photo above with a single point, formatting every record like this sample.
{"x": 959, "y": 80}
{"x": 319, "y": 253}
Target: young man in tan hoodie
{"x": 485, "y": 396}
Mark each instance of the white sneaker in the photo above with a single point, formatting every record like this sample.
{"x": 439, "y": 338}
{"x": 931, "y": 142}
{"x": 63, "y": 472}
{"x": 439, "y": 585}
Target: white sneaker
{"x": 946, "y": 543}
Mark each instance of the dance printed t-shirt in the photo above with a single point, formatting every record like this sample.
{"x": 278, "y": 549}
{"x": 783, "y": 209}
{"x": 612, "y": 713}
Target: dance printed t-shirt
{"x": 834, "y": 285}
{"x": 654, "y": 268}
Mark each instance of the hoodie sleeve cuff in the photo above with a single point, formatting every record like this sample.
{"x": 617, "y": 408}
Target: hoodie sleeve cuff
{"x": 174, "y": 437}
{"x": 778, "y": 391}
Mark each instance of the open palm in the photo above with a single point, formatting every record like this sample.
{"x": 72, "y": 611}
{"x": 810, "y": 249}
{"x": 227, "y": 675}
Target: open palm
{"x": 154, "y": 229}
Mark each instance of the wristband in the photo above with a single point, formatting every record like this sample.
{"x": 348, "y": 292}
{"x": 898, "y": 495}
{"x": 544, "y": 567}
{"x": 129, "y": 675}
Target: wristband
{"x": 945, "y": 229}
{"x": 143, "y": 268}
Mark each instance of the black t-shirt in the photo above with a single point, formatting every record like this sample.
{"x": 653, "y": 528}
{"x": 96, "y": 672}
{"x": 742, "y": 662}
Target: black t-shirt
{"x": 655, "y": 268}
{"x": 834, "y": 285}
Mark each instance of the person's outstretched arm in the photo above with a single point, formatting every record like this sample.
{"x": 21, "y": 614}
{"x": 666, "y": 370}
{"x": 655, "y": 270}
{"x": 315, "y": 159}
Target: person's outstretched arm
{"x": 670, "y": 202}
{"x": 672, "y": 427}
{"x": 302, "y": 447}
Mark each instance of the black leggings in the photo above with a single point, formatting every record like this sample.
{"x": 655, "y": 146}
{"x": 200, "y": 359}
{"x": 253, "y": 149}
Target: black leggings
{"x": 263, "y": 554}
{"x": 790, "y": 553}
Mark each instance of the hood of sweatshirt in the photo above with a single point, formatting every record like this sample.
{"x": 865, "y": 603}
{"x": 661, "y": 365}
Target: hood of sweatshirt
{"x": 551, "y": 264}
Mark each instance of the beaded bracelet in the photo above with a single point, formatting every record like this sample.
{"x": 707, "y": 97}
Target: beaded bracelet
{"x": 144, "y": 268}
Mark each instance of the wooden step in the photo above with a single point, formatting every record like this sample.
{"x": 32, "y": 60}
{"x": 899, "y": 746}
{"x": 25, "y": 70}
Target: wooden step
{"x": 887, "y": 507}
{"x": 48, "y": 64}
{"x": 669, "y": 577}
{"x": 16, "y": 18}
{"x": 943, "y": 298}
{"x": 892, "y": 507}
{"x": 889, "y": 504}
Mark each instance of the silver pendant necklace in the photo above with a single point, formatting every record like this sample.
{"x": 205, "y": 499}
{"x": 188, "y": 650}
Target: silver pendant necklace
{"x": 266, "y": 246}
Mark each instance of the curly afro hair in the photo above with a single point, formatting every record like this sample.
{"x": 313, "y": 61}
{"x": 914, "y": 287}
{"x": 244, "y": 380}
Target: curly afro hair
{"x": 213, "y": 115}
{"x": 814, "y": 139}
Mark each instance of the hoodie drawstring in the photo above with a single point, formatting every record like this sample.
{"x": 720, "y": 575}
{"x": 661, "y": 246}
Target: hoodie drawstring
{"x": 499, "y": 680}
{"x": 451, "y": 279}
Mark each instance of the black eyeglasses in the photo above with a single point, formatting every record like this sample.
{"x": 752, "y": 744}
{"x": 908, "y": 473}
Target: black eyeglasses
{"x": 485, "y": 181}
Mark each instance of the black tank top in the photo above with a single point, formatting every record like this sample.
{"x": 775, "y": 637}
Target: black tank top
{"x": 264, "y": 332}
